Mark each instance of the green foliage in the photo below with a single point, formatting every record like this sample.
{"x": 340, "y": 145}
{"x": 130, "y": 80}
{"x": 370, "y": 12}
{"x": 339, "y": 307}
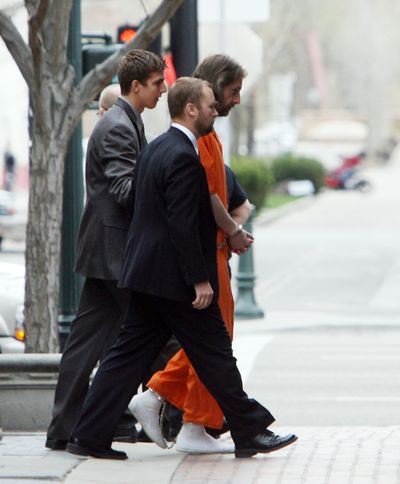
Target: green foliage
{"x": 276, "y": 200}
{"x": 256, "y": 178}
{"x": 290, "y": 167}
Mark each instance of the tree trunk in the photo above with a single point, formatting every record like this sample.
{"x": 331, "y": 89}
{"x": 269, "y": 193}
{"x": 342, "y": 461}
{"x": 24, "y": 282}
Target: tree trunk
{"x": 43, "y": 242}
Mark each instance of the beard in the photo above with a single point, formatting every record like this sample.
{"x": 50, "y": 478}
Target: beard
{"x": 204, "y": 127}
{"x": 224, "y": 110}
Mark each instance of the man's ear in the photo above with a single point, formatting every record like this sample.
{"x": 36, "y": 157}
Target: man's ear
{"x": 135, "y": 86}
{"x": 191, "y": 109}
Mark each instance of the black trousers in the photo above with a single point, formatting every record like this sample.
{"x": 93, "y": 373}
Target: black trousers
{"x": 149, "y": 324}
{"x": 102, "y": 307}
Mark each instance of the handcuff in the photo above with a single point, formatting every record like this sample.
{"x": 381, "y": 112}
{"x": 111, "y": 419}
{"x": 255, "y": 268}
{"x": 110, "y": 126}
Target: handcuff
{"x": 223, "y": 244}
{"x": 238, "y": 229}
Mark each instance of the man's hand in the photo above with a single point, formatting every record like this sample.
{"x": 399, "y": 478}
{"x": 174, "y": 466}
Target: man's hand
{"x": 204, "y": 295}
{"x": 240, "y": 241}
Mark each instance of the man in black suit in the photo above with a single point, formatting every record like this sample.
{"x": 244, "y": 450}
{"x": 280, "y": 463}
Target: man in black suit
{"x": 113, "y": 147}
{"x": 169, "y": 265}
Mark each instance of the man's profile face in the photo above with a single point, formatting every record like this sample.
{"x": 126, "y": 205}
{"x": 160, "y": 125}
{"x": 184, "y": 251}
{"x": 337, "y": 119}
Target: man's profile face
{"x": 207, "y": 112}
{"x": 150, "y": 92}
{"x": 230, "y": 97}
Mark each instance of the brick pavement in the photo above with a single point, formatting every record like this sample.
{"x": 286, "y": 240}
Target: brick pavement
{"x": 322, "y": 455}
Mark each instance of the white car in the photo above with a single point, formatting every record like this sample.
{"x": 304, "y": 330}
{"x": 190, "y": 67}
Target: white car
{"x": 12, "y": 286}
{"x": 13, "y": 216}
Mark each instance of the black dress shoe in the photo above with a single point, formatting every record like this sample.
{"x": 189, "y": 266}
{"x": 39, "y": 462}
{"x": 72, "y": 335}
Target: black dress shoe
{"x": 78, "y": 447}
{"x": 126, "y": 433}
{"x": 171, "y": 422}
{"x": 216, "y": 433}
{"x": 143, "y": 437}
{"x": 55, "y": 444}
{"x": 263, "y": 443}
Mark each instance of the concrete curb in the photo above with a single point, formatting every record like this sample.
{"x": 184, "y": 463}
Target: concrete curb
{"x": 27, "y": 383}
{"x": 29, "y": 362}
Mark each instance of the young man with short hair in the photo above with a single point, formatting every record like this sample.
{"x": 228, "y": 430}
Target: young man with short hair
{"x": 113, "y": 148}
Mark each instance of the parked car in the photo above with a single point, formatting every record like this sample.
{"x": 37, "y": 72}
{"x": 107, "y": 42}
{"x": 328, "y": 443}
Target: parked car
{"x": 13, "y": 216}
{"x": 6, "y": 203}
{"x": 12, "y": 286}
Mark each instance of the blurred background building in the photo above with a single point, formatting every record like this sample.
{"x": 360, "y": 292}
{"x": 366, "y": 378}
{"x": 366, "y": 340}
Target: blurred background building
{"x": 323, "y": 76}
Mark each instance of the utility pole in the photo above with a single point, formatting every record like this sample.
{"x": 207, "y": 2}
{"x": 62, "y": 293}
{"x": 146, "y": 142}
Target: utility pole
{"x": 184, "y": 38}
{"x": 71, "y": 283}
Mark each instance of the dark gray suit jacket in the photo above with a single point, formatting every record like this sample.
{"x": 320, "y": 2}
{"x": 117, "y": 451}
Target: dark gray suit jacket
{"x": 113, "y": 147}
{"x": 172, "y": 238}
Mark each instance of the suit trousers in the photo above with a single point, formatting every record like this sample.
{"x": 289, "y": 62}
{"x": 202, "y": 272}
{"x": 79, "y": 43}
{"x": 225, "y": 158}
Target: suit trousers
{"x": 149, "y": 324}
{"x": 102, "y": 307}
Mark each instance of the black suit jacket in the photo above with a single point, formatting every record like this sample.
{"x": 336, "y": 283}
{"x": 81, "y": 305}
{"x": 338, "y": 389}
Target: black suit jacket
{"x": 113, "y": 147}
{"x": 172, "y": 238}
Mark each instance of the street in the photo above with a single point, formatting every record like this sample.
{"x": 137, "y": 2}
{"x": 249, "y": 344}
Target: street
{"x": 330, "y": 377}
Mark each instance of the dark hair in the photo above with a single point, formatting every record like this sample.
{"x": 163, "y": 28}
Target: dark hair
{"x": 220, "y": 71}
{"x": 138, "y": 65}
{"x": 185, "y": 90}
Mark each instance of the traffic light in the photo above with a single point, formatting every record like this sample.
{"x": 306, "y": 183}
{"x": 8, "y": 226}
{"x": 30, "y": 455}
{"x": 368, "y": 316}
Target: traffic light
{"x": 126, "y": 32}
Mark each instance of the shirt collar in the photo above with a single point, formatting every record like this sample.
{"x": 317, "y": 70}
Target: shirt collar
{"x": 188, "y": 133}
{"x": 138, "y": 115}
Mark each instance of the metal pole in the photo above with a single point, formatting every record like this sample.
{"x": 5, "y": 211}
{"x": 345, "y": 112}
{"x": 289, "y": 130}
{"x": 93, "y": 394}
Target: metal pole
{"x": 245, "y": 304}
{"x": 184, "y": 38}
{"x": 71, "y": 283}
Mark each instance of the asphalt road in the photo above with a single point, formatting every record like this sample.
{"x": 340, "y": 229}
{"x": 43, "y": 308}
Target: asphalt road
{"x": 330, "y": 377}
{"x": 337, "y": 260}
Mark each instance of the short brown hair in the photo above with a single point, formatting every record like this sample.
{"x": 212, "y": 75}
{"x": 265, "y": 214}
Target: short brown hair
{"x": 185, "y": 90}
{"x": 220, "y": 71}
{"x": 138, "y": 65}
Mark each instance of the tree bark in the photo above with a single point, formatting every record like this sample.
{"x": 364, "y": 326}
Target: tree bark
{"x": 16, "y": 46}
{"x": 43, "y": 243}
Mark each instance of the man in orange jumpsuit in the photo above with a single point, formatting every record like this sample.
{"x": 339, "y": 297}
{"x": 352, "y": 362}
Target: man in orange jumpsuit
{"x": 178, "y": 383}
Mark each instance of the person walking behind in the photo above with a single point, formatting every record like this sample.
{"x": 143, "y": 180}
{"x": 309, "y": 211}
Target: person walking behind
{"x": 9, "y": 171}
{"x": 113, "y": 148}
{"x": 108, "y": 97}
{"x": 169, "y": 265}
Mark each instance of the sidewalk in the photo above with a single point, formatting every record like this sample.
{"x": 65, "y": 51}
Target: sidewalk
{"x": 323, "y": 455}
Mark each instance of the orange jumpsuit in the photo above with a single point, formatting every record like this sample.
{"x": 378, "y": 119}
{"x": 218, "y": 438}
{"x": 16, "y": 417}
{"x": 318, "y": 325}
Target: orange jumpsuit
{"x": 178, "y": 383}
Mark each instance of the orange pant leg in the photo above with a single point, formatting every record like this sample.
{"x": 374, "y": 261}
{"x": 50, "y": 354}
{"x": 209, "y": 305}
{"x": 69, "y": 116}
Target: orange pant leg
{"x": 179, "y": 384}
{"x": 170, "y": 383}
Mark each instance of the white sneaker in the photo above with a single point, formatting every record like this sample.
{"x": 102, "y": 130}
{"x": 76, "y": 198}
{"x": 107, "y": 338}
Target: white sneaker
{"x": 193, "y": 439}
{"x": 146, "y": 409}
